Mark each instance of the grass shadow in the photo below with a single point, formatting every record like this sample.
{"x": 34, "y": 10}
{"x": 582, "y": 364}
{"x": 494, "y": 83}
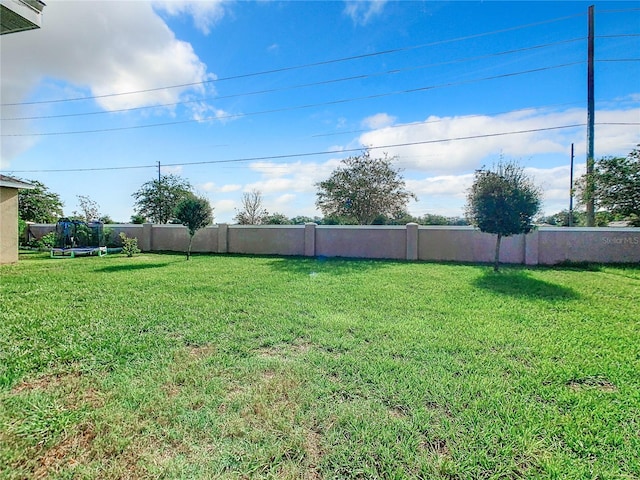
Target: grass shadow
{"x": 130, "y": 267}
{"x": 328, "y": 265}
{"x": 519, "y": 283}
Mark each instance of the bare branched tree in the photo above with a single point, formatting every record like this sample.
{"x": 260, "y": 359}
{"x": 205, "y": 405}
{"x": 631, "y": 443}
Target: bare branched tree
{"x": 253, "y": 212}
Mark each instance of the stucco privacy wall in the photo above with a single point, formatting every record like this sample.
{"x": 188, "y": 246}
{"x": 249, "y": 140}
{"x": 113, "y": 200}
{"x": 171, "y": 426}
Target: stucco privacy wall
{"x": 8, "y": 225}
{"x": 545, "y": 246}
{"x": 361, "y": 241}
{"x": 612, "y": 245}
{"x": 465, "y": 244}
{"x": 176, "y": 238}
{"x": 266, "y": 239}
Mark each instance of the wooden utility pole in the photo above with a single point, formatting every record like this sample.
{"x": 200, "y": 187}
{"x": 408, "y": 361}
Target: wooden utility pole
{"x": 591, "y": 216}
{"x": 571, "y": 190}
{"x": 159, "y": 171}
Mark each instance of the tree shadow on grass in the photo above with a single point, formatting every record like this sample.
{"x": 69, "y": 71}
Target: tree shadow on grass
{"x": 131, "y": 267}
{"x": 519, "y": 283}
{"x": 328, "y": 265}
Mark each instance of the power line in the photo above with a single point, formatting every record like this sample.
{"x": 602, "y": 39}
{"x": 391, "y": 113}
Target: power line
{"x": 284, "y": 109}
{"x": 309, "y": 154}
{"x": 326, "y": 152}
{"x": 426, "y": 122}
{"x": 291, "y": 87}
{"x": 297, "y": 67}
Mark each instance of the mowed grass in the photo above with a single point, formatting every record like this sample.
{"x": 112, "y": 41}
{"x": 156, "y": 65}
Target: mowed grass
{"x": 264, "y": 367}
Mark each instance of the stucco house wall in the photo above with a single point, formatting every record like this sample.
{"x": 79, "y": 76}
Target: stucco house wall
{"x": 9, "y": 218}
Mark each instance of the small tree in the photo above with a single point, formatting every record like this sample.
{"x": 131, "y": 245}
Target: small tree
{"x": 89, "y": 209}
{"x": 129, "y": 245}
{"x": 616, "y": 186}
{"x": 157, "y": 199}
{"x": 194, "y": 213}
{"x": 252, "y": 212}
{"x": 363, "y": 189}
{"x": 502, "y": 202}
{"x": 39, "y": 204}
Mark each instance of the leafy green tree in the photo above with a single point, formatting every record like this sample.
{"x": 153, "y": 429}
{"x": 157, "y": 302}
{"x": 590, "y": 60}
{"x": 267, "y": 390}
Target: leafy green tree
{"x": 194, "y": 213}
{"x": 616, "y": 186}
{"x": 138, "y": 219}
{"x": 503, "y": 202}
{"x": 253, "y": 212}
{"x": 277, "y": 219}
{"x": 301, "y": 220}
{"x": 39, "y": 205}
{"x": 156, "y": 200}
{"x": 364, "y": 188}
{"x": 561, "y": 219}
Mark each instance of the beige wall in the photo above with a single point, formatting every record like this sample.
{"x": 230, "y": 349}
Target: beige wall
{"x": 612, "y": 245}
{"x": 361, "y": 241}
{"x": 545, "y": 246}
{"x": 8, "y": 225}
{"x": 465, "y": 244}
{"x": 266, "y": 239}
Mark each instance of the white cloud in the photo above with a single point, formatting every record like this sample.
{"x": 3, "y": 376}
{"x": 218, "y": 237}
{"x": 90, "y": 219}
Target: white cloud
{"x": 98, "y": 50}
{"x": 230, "y": 188}
{"x": 205, "y": 14}
{"x": 415, "y": 151}
{"x": 379, "y": 120}
{"x": 212, "y": 187}
{"x": 285, "y": 200}
{"x": 206, "y": 187}
{"x": 441, "y": 186}
{"x": 224, "y": 209}
{"x": 173, "y": 170}
{"x": 361, "y": 11}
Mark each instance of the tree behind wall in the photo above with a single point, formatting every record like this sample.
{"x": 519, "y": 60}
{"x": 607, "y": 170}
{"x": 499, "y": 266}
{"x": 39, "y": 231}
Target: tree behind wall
{"x": 194, "y": 213}
{"x": 89, "y": 209}
{"x": 364, "y": 188}
{"x": 157, "y": 200}
{"x": 616, "y": 186}
{"x": 39, "y": 205}
{"x": 503, "y": 202}
{"x": 253, "y": 212}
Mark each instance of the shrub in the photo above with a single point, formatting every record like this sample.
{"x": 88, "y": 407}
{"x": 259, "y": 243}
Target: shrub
{"x": 107, "y": 233}
{"x": 46, "y": 242}
{"x": 22, "y": 230}
{"x": 129, "y": 245}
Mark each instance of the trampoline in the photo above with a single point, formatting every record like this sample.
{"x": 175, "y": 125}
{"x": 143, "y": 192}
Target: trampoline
{"x": 77, "y": 238}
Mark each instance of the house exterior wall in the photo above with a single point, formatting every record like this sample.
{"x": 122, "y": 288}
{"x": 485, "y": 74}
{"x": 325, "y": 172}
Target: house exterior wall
{"x": 545, "y": 246}
{"x": 8, "y": 225}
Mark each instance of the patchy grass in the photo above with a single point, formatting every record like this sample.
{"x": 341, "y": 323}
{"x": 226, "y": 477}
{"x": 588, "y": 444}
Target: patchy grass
{"x": 239, "y": 367}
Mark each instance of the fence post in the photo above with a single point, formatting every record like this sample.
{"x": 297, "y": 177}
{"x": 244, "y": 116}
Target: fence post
{"x": 223, "y": 239}
{"x": 145, "y": 242}
{"x": 310, "y": 239}
{"x": 412, "y": 241}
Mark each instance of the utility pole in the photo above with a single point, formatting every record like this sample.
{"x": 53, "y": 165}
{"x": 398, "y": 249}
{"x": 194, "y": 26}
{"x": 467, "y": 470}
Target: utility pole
{"x": 591, "y": 218}
{"x": 159, "y": 171}
{"x": 571, "y": 190}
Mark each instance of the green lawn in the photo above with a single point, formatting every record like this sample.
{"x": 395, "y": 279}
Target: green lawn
{"x": 266, "y": 367}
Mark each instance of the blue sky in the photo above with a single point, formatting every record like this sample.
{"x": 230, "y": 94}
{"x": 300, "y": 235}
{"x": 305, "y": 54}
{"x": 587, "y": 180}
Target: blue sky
{"x": 236, "y": 96}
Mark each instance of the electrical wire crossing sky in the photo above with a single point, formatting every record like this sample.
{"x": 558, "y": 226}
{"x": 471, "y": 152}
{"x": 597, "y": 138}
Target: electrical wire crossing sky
{"x": 243, "y": 96}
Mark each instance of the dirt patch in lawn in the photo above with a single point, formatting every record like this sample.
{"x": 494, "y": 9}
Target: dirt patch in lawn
{"x": 600, "y": 383}
{"x": 69, "y": 452}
